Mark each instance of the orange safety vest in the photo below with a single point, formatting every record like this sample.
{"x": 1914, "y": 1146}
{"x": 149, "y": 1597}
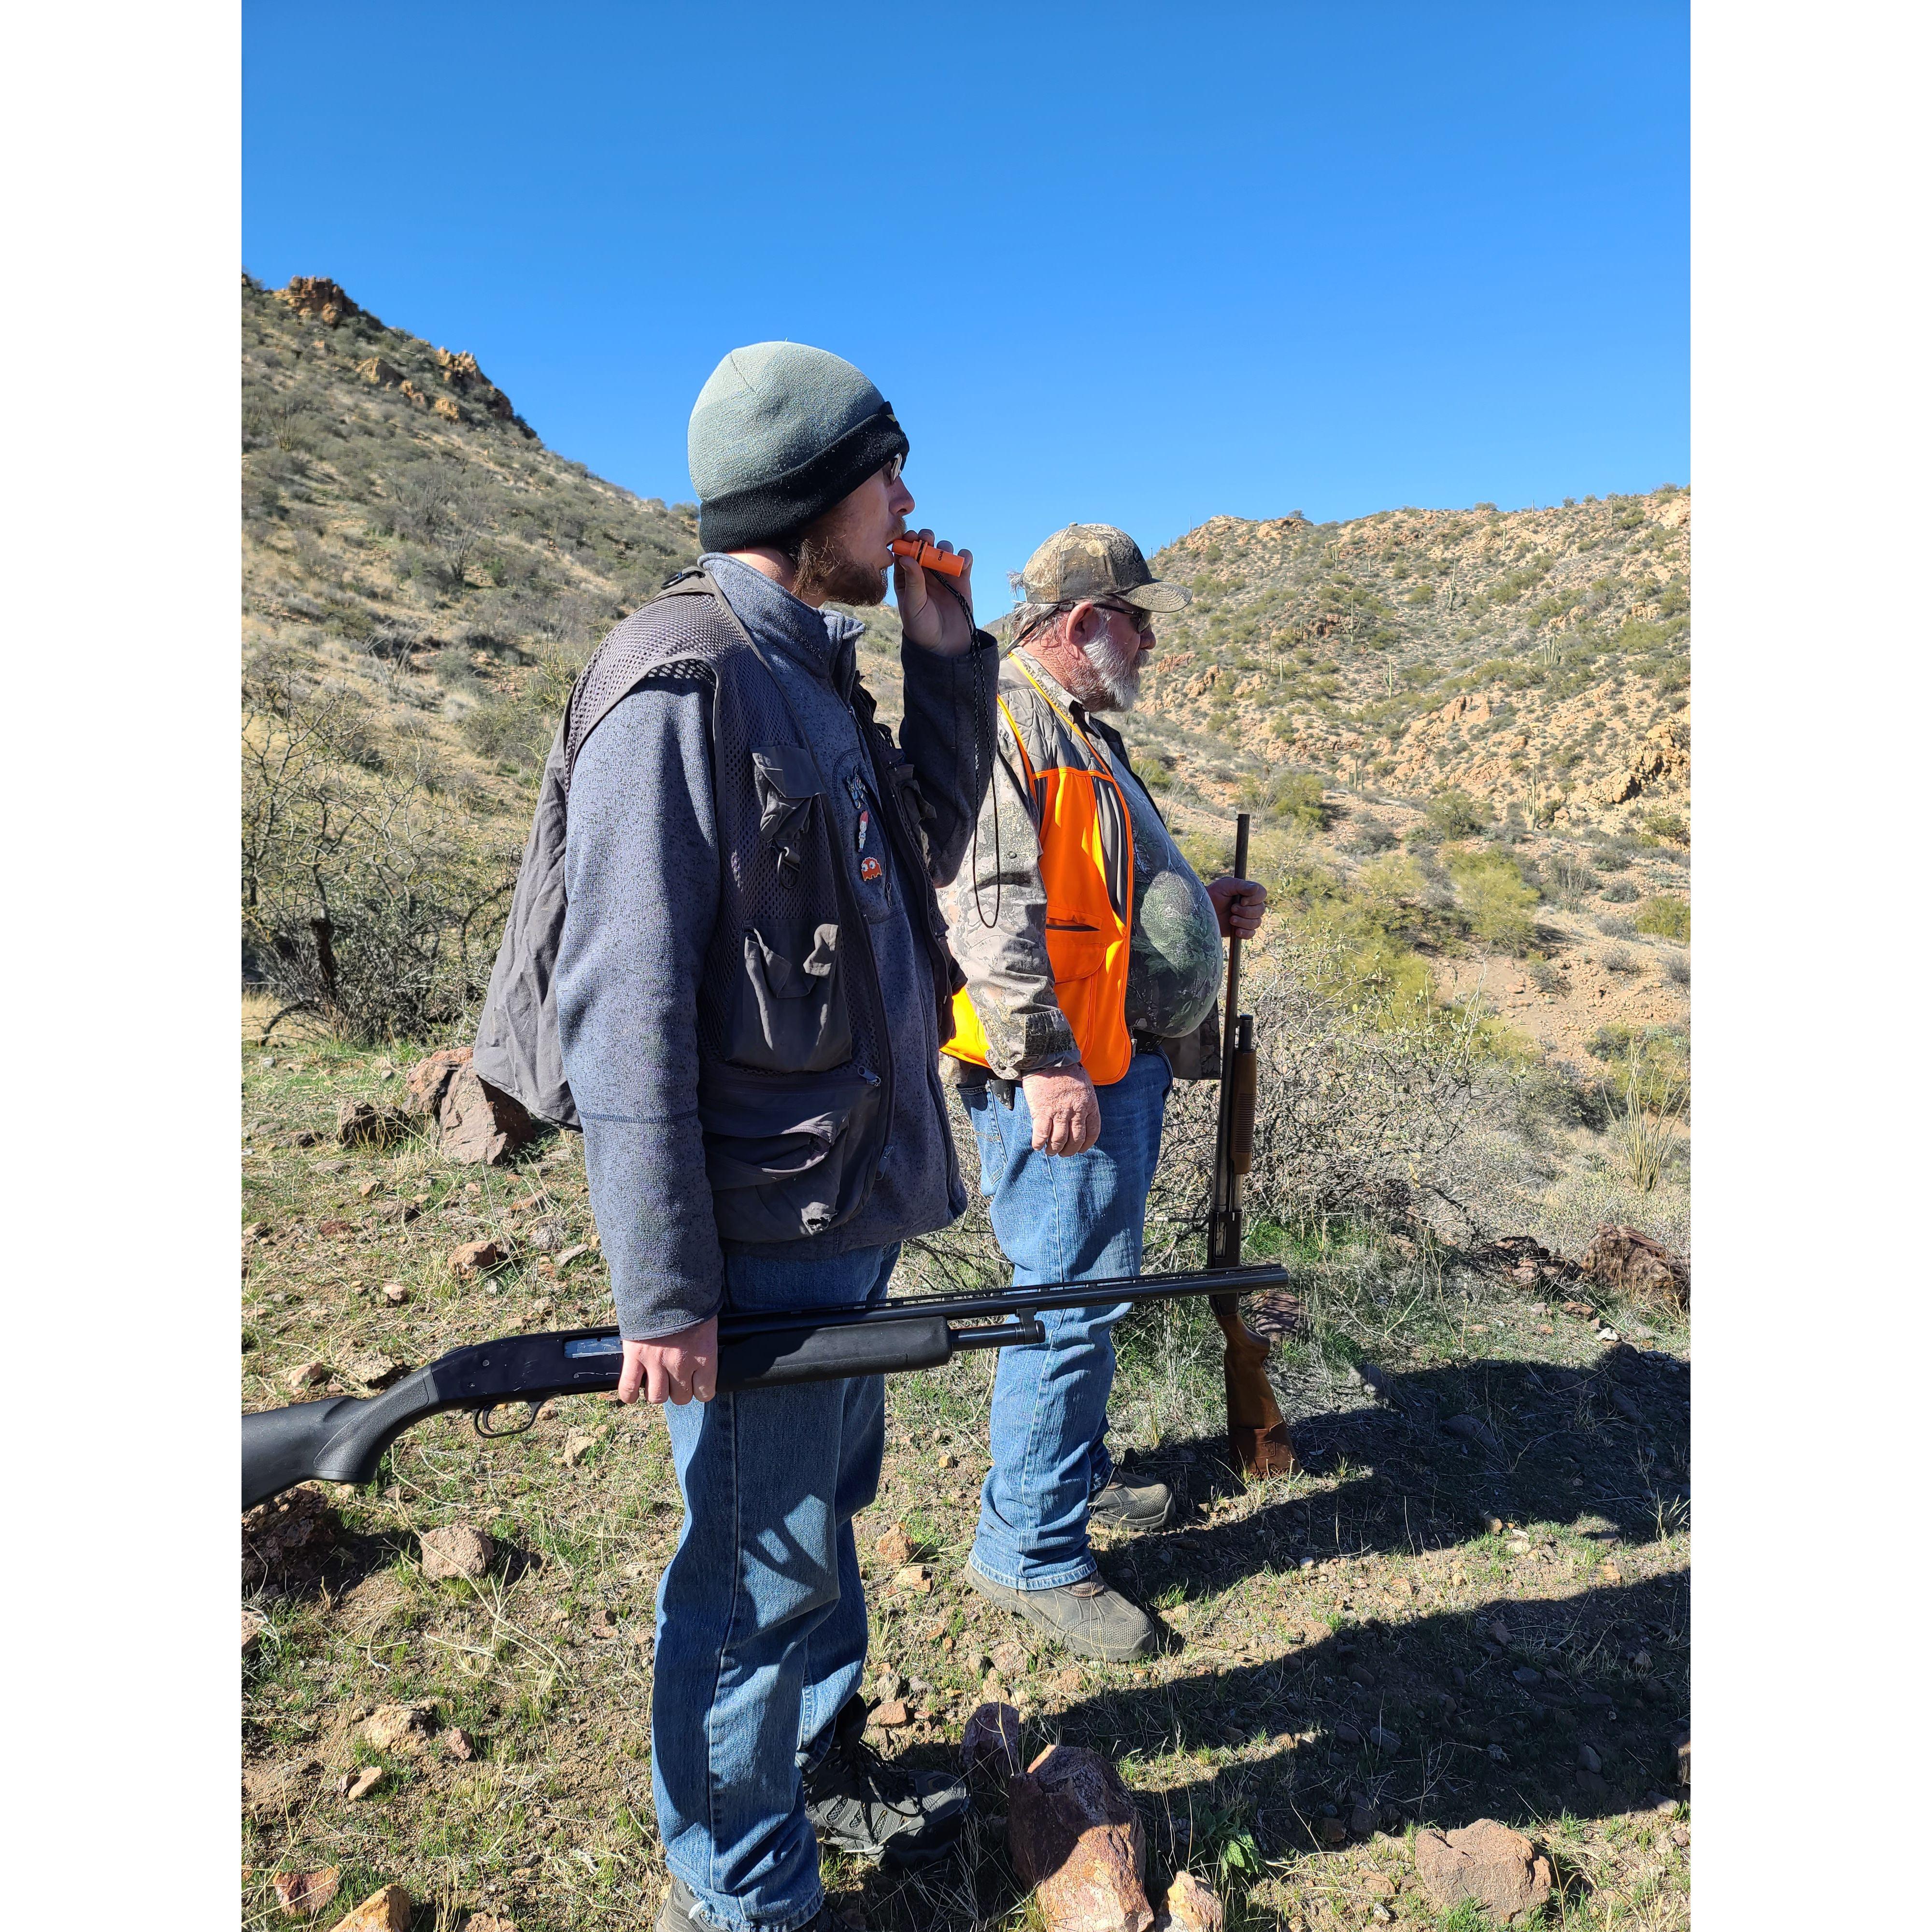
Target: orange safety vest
{"x": 1079, "y": 812}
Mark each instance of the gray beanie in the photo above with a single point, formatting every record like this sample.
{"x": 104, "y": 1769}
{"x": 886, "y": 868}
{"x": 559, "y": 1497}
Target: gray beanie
{"x": 780, "y": 433}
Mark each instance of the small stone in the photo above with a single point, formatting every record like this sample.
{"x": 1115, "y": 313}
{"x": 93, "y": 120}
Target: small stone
{"x": 1067, "y": 1681}
{"x": 252, "y": 1625}
{"x": 1524, "y": 1675}
{"x": 577, "y": 1445}
{"x": 1333, "y": 1832}
{"x": 374, "y": 1370}
{"x": 364, "y": 1781}
{"x": 1189, "y": 1907}
{"x": 306, "y": 1375}
{"x": 989, "y": 1747}
{"x": 1348, "y": 1736}
{"x": 601, "y": 1623}
{"x": 460, "y": 1746}
{"x": 1609, "y": 1572}
{"x": 1587, "y": 1757}
{"x": 394, "y": 1293}
{"x": 1011, "y": 1658}
{"x": 399, "y": 1727}
{"x": 896, "y": 1547}
{"x": 1641, "y": 1663}
{"x": 304, "y": 1894}
{"x": 1379, "y": 1885}
{"x": 389, "y": 1910}
{"x": 1362, "y": 1817}
{"x": 475, "y": 1258}
{"x": 891, "y": 1684}
{"x": 916, "y": 1578}
{"x": 891, "y": 1714}
{"x": 1383, "y": 1739}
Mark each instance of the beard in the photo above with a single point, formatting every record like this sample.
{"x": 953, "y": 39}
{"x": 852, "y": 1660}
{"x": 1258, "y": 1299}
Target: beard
{"x": 826, "y": 570}
{"x": 1117, "y": 676}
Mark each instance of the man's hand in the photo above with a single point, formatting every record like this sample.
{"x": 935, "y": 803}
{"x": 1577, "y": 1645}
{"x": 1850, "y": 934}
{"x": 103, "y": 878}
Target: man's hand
{"x": 931, "y": 617}
{"x": 1065, "y": 1108}
{"x": 1238, "y": 904}
{"x": 674, "y": 1368}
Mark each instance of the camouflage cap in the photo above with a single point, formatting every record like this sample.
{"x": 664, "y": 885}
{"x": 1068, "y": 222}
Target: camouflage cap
{"x": 1095, "y": 560}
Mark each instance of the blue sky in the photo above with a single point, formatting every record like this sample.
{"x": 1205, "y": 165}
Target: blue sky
{"x": 1130, "y": 264}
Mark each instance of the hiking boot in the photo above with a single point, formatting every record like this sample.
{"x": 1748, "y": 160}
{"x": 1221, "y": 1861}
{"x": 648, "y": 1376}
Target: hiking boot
{"x": 681, "y": 1913}
{"x": 1125, "y": 1503}
{"x": 1086, "y": 1618}
{"x": 859, "y": 1803}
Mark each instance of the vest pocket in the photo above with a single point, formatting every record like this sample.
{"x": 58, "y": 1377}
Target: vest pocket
{"x": 791, "y": 824}
{"x": 786, "y": 1155}
{"x": 789, "y": 1014}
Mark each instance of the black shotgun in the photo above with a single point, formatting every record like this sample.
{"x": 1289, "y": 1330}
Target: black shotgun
{"x": 342, "y": 1440}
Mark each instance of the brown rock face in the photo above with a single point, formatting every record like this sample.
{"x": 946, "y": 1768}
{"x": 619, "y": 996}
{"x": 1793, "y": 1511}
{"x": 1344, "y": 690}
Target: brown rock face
{"x": 1486, "y": 1861}
{"x": 894, "y": 1547}
{"x": 316, "y": 295}
{"x": 387, "y": 1910}
{"x": 428, "y": 1080}
{"x": 478, "y": 1122}
{"x": 457, "y": 1551}
{"x": 384, "y": 375}
{"x": 1622, "y": 1259}
{"x": 1073, "y": 1832}
{"x": 1189, "y": 1907}
{"x": 447, "y": 409}
{"x": 989, "y": 1747}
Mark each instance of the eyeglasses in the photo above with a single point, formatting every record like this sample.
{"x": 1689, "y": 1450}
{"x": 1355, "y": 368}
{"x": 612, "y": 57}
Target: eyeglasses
{"x": 894, "y": 465}
{"x": 1142, "y": 620}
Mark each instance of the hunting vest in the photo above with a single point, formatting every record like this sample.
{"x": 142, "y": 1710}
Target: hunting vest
{"x": 795, "y": 1073}
{"x": 1086, "y": 866}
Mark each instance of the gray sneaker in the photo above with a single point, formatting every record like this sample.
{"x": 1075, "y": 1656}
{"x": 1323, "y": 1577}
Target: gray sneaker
{"x": 1088, "y": 1618}
{"x": 1125, "y": 1503}
{"x": 683, "y": 1913}
{"x": 860, "y": 1803}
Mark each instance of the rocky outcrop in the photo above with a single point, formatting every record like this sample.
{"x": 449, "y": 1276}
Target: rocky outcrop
{"x": 317, "y": 297}
{"x": 477, "y": 1122}
{"x": 384, "y": 375}
{"x": 1664, "y": 759}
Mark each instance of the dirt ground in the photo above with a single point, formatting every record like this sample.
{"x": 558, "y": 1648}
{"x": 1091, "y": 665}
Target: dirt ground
{"x": 1472, "y": 1603}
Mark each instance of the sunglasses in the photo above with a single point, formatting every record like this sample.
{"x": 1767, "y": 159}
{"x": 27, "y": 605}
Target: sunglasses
{"x": 1142, "y": 620}
{"x": 894, "y": 465}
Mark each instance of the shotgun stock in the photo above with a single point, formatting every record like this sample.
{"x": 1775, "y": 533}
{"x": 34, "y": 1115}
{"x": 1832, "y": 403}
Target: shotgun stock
{"x": 1258, "y": 1437}
{"x": 343, "y": 1440}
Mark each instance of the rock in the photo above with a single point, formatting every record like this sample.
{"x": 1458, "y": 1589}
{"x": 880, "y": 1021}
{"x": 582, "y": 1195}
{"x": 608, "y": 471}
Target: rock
{"x": 891, "y": 1714}
{"x": 1362, "y": 1817}
{"x": 1681, "y": 1744}
{"x": 894, "y": 1547}
{"x": 1384, "y": 1740}
{"x": 456, "y": 1551}
{"x": 358, "y": 1124}
{"x": 1587, "y": 1757}
{"x": 1333, "y": 1832}
{"x": 448, "y": 409}
{"x": 287, "y": 1538}
{"x": 1471, "y": 1428}
{"x": 1189, "y": 1907}
{"x": 267, "y": 1788}
{"x": 1379, "y": 1885}
{"x": 384, "y": 375}
{"x": 601, "y": 1623}
{"x": 389, "y": 1910}
{"x": 571, "y": 1254}
{"x": 306, "y": 1375}
{"x": 374, "y": 1370}
{"x": 394, "y": 1293}
{"x": 1012, "y": 1658}
{"x": 358, "y": 1786}
{"x": 475, "y": 1258}
{"x": 916, "y": 1578}
{"x": 478, "y": 1122}
{"x": 460, "y": 1745}
{"x": 1072, "y": 1832}
{"x": 1346, "y": 1736}
{"x": 252, "y": 1625}
{"x": 399, "y": 1727}
{"x": 1068, "y": 1681}
{"x": 317, "y": 296}
{"x": 989, "y": 1747}
{"x": 1486, "y": 1861}
{"x": 1524, "y": 1675}
{"x": 304, "y": 1894}
{"x": 1634, "y": 1264}
{"x": 546, "y": 1238}
{"x": 577, "y": 1445}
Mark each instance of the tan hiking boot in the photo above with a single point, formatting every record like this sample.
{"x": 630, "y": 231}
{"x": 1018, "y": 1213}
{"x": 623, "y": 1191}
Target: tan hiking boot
{"x": 1086, "y": 1618}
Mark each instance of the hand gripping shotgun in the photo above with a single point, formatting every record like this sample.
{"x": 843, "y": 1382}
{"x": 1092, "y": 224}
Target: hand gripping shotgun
{"x": 343, "y": 1440}
{"x": 1258, "y": 1437}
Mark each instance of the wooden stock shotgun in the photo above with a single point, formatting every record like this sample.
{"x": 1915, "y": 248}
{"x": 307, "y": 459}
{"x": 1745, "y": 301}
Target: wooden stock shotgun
{"x": 1258, "y": 1437}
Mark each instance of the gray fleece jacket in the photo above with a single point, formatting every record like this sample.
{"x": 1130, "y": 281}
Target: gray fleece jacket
{"x": 642, "y": 860}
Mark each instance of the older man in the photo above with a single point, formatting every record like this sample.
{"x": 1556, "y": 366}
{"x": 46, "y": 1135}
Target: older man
{"x": 1092, "y": 954}
{"x": 751, "y": 990}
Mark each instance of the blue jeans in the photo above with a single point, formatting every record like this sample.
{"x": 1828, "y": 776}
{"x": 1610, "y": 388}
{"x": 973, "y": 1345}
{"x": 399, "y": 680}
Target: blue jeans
{"x": 761, "y": 1617}
{"x": 1060, "y": 1217}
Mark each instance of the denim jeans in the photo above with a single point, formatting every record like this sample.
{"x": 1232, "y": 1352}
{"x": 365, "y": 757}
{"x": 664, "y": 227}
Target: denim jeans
{"x": 1060, "y": 1217}
{"x": 761, "y": 1617}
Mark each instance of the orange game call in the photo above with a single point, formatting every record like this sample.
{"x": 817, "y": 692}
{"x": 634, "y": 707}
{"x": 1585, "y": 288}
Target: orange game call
{"x": 927, "y": 558}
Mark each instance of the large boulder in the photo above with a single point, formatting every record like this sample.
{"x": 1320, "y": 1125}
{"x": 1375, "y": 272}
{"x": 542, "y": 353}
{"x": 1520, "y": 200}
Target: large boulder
{"x": 477, "y": 1122}
{"x": 1486, "y": 1861}
{"x": 317, "y": 296}
{"x": 1072, "y": 1832}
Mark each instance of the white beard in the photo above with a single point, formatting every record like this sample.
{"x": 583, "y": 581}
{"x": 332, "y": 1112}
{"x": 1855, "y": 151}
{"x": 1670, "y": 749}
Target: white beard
{"x": 1118, "y": 677}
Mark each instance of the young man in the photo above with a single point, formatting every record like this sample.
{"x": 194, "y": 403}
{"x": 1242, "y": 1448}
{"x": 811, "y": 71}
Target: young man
{"x": 751, "y": 991}
{"x": 1092, "y": 955}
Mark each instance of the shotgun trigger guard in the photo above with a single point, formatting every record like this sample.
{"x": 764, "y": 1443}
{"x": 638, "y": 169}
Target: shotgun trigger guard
{"x": 476, "y": 1416}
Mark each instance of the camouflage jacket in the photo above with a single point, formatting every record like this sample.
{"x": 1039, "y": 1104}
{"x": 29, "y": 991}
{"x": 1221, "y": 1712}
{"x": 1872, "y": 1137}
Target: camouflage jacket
{"x": 995, "y": 907}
